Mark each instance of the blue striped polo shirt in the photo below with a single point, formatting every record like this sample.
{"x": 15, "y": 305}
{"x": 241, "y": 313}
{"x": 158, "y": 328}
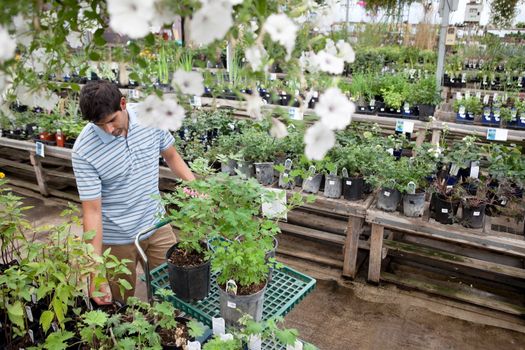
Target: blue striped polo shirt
{"x": 124, "y": 173}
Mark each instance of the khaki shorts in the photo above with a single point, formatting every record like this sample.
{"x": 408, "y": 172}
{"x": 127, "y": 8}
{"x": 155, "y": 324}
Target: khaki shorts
{"x": 155, "y": 248}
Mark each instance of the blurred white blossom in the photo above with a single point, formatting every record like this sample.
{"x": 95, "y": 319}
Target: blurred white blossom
{"x": 334, "y": 109}
{"x": 131, "y": 17}
{"x": 253, "y": 106}
{"x": 278, "y": 129}
{"x": 212, "y": 21}
{"x": 318, "y": 141}
{"x": 191, "y": 83}
{"x": 329, "y": 63}
{"x": 7, "y": 44}
{"x": 165, "y": 114}
{"x": 38, "y": 60}
{"x": 36, "y": 98}
{"x": 256, "y": 55}
{"x": 23, "y": 33}
{"x": 74, "y": 39}
{"x": 282, "y": 30}
{"x": 345, "y": 51}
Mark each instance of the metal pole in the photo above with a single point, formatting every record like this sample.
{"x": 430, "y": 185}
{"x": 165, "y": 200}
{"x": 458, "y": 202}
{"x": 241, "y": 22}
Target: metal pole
{"x": 347, "y": 16}
{"x": 445, "y": 13}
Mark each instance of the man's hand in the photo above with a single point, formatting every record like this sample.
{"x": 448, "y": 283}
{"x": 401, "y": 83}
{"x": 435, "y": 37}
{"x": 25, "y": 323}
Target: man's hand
{"x": 103, "y": 288}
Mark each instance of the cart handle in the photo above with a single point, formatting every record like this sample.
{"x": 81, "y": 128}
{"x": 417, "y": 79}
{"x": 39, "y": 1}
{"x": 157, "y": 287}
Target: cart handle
{"x": 143, "y": 256}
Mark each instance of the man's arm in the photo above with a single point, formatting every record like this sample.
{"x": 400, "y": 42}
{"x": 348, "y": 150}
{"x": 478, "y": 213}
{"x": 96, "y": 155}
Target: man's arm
{"x": 177, "y": 164}
{"x": 92, "y": 219}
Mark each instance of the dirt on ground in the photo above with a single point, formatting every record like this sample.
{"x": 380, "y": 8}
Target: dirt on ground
{"x": 343, "y": 315}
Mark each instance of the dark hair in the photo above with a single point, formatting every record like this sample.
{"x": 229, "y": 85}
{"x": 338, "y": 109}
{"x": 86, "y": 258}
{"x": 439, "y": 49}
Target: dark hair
{"x": 98, "y": 99}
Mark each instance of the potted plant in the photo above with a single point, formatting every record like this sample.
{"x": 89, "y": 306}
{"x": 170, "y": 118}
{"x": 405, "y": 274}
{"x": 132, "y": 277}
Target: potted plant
{"x": 258, "y": 147}
{"x": 333, "y": 182}
{"x": 412, "y": 182}
{"x": 227, "y": 149}
{"x": 426, "y": 96}
{"x": 473, "y": 202}
{"x": 384, "y": 178}
{"x": 445, "y": 201}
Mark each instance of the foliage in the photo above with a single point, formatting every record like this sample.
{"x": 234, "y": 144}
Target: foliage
{"x": 216, "y": 343}
{"x": 425, "y": 91}
{"x": 463, "y": 152}
{"x": 257, "y": 146}
{"x": 395, "y": 90}
{"x": 506, "y": 163}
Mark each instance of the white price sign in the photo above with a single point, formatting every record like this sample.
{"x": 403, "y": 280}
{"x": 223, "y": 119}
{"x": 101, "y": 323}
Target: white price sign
{"x": 404, "y": 126}
{"x": 277, "y": 207}
{"x": 495, "y": 134}
{"x": 295, "y": 113}
{"x": 39, "y": 149}
{"x": 196, "y": 101}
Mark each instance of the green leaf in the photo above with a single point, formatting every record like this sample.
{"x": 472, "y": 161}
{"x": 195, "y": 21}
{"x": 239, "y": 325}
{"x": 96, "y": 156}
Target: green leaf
{"x": 96, "y": 318}
{"x": 16, "y": 313}
{"x": 150, "y": 39}
{"x": 98, "y": 37}
{"x": 57, "y": 340}
{"x": 58, "y": 308}
{"x": 125, "y": 283}
{"x": 45, "y": 319}
{"x": 94, "y": 56}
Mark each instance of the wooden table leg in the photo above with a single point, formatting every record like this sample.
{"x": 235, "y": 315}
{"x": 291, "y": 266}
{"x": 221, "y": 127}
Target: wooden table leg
{"x": 353, "y": 230}
{"x": 376, "y": 245}
{"x": 39, "y": 171}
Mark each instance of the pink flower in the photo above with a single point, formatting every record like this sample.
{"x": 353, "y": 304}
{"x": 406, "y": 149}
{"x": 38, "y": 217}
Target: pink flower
{"x": 361, "y": 3}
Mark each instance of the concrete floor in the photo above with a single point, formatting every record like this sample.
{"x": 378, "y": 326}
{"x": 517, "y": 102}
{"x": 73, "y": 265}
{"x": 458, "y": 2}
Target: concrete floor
{"x": 353, "y": 315}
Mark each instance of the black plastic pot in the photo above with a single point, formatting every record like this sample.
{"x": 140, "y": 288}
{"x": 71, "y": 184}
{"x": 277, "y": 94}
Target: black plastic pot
{"x": 426, "y": 111}
{"x": 414, "y": 204}
{"x": 353, "y": 188}
{"x": 444, "y": 209}
{"x": 189, "y": 283}
{"x": 264, "y": 173}
{"x": 473, "y": 216}
{"x": 388, "y": 199}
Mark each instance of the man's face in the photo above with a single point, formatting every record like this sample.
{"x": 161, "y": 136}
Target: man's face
{"x": 116, "y": 123}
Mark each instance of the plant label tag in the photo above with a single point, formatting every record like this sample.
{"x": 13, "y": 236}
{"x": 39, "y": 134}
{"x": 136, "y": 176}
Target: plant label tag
{"x": 408, "y": 127}
{"x": 232, "y": 305}
{"x": 504, "y": 202}
{"x": 476, "y": 213}
{"x": 386, "y": 193}
{"x": 33, "y": 298}
{"x": 39, "y": 149}
{"x": 295, "y": 113}
{"x": 486, "y": 99}
{"x": 474, "y": 170}
{"x": 218, "y": 325}
{"x": 254, "y": 342}
{"x": 194, "y": 345}
{"x": 459, "y": 96}
{"x": 273, "y": 76}
{"x": 331, "y": 182}
{"x": 390, "y": 151}
{"x": 349, "y": 183}
{"x": 54, "y": 326}
{"x": 196, "y": 101}
{"x": 29, "y": 313}
{"x": 444, "y": 211}
{"x": 276, "y": 208}
{"x": 31, "y": 335}
{"x": 226, "y": 336}
{"x": 496, "y": 134}
{"x": 285, "y": 174}
{"x": 454, "y": 168}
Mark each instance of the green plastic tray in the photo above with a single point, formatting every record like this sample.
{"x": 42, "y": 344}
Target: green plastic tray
{"x": 286, "y": 289}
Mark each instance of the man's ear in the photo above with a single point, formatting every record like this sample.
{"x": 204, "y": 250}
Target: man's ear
{"x": 122, "y": 103}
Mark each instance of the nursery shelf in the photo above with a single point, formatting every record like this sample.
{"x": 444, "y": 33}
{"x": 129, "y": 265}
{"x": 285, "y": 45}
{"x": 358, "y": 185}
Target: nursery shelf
{"x": 287, "y": 288}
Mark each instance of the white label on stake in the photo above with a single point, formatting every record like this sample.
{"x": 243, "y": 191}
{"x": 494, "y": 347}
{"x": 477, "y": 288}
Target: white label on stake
{"x": 295, "y": 113}
{"x": 459, "y": 96}
{"x": 495, "y": 134}
{"x": 196, "y": 101}
{"x": 478, "y": 95}
{"x": 232, "y": 305}
{"x": 349, "y": 183}
{"x": 474, "y": 170}
{"x": 254, "y": 342}
{"x": 226, "y": 336}
{"x": 39, "y": 149}
{"x": 218, "y": 325}
{"x": 476, "y": 213}
{"x": 31, "y": 335}
{"x": 194, "y": 345}
{"x": 486, "y": 99}
{"x": 386, "y": 193}
{"x": 467, "y": 94}
{"x": 33, "y": 298}
{"x": 331, "y": 182}
{"x": 29, "y": 313}
{"x": 273, "y": 76}
{"x": 444, "y": 211}
{"x": 277, "y": 207}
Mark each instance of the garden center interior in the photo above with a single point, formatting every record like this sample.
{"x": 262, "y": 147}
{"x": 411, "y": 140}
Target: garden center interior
{"x": 262, "y": 174}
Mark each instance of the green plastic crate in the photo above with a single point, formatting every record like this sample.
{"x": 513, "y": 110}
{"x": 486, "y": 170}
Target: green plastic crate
{"x": 286, "y": 289}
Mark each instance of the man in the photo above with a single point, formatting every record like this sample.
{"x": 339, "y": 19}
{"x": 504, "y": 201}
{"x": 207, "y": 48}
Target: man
{"x": 116, "y": 165}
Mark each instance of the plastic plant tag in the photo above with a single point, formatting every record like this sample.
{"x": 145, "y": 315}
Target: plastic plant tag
{"x": 194, "y": 345}
{"x": 29, "y": 313}
{"x": 478, "y": 94}
{"x": 275, "y": 209}
{"x": 495, "y": 134}
{"x": 295, "y": 113}
{"x": 196, "y": 101}
{"x": 273, "y": 76}
{"x": 231, "y": 305}
{"x": 33, "y": 298}
{"x": 231, "y": 287}
{"x": 39, "y": 149}
{"x": 467, "y": 94}
{"x": 344, "y": 172}
{"x": 454, "y": 168}
{"x": 444, "y": 210}
{"x": 297, "y": 346}
{"x": 254, "y": 342}
{"x": 226, "y": 336}
{"x": 476, "y": 213}
{"x": 31, "y": 335}
{"x": 486, "y": 99}
{"x": 349, "y": 183}
{"x": 386, "y": 193}
{"x": 411, "y": 187}
{"x": 474, "y": 170}
{"x": 459, "y": 96}
{"x": 218, "y": 325}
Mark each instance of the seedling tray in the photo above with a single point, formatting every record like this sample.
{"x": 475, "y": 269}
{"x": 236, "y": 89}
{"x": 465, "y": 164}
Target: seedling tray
{"x": 287, "y": 288}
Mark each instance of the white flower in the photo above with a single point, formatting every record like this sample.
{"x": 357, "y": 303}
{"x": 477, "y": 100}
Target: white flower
{"x": 74, "y": 39}
{"x": 327, "y": 16}
{"x": 190, "y": 83}
{"x": 282, "y": 30}
{"x": 131, "y": 17}
{"x": 39, "y": 98}
{"x": 253, "y": 107}
{"x": 278, "y": 129}
{"x": 345, "y": 51}
{"x": 256, "y": 56}
{"x": 334, "y": 109}
{"x": 38, "y": 60}
{"x": 23, "y": 31}
{"x": 318, "y": 140}
{"x": 212, "y": 21}
{"x": 163, "y": 15}
{"x": 308, "y": 61}
{"x": 5, "y": 83}
{"x": 165, "y": 114}
{"x": 330, "y": 47}
{"x": 7, "y": 44}
{"x": 329, "y": 63}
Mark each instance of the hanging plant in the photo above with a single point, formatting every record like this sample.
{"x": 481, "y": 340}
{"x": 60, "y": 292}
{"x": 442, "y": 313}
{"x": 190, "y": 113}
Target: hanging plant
{"x": 503, "y": 12}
